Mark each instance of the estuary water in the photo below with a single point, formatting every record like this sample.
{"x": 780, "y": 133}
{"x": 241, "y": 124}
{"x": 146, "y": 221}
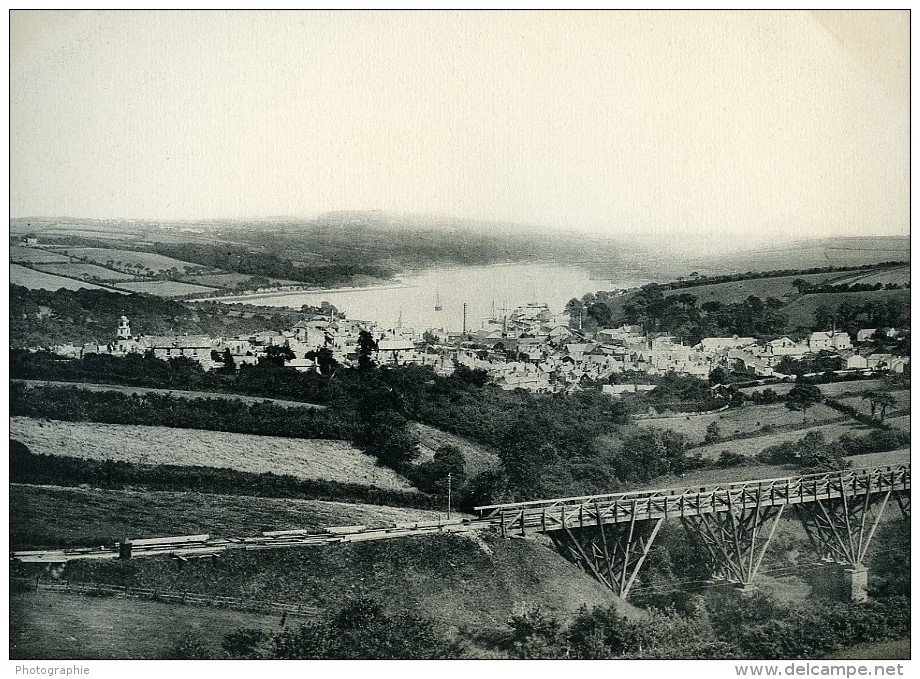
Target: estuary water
{"x": 485, "y": 290}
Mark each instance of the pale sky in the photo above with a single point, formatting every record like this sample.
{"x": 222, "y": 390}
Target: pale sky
{"x": 735, "y": 126}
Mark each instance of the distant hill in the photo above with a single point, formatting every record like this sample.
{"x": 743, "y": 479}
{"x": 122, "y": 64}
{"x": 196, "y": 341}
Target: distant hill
{"x": 809, "y": 254}
{"x": 333, "y": 247}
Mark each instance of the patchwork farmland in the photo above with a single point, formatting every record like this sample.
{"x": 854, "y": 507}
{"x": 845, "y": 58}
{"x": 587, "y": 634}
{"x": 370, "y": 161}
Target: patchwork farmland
{"x": 38, "y": 280}
{"x": 84, "y": 271}
{"x": 131, "y": 261}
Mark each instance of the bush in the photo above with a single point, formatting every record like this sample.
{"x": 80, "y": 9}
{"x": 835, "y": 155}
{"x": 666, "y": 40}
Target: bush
{"x": 728, "y": 458}
{"x": 431, "y": 476}
{"x": 713, "y": 433}
{"x": 535, "y": 635}
{"x": 245, "y": 644}
{"x": 192, "y": 647}
{"x": 362, "y": 630}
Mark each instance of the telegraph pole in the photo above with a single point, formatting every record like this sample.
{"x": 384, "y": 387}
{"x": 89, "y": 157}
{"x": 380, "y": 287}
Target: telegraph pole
{"x": 464, "y": 318}
{"x": 449, "y": 479}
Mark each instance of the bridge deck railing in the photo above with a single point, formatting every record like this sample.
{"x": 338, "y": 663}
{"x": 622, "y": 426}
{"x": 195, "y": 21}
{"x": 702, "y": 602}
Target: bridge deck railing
{"x": 643, "y": 505}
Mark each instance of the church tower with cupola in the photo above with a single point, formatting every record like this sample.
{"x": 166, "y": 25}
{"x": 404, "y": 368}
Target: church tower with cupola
{"x": 124, "y": 329}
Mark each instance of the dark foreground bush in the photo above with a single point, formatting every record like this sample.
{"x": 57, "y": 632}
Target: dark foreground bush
{"x": 359, "y": 630}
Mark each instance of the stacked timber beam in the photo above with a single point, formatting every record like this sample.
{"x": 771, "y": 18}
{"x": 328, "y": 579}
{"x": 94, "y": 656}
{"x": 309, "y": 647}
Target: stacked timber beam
{"x": 196, "y": 546}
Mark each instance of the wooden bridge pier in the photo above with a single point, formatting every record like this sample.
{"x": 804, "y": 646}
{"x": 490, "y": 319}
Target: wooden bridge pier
{"x": 612, "y": 553}
{"x": 736, "y": 540}
{"x": 841, "y": 530}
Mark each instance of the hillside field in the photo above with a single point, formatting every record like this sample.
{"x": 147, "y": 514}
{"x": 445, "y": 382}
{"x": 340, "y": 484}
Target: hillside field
{"x": 804, "y": 254}
{"x": 892, "y": 457}
{"x": 752, "y": 470}
{"x": 467, "y": 584}
{"x": 231, "y": 280}
{"x": 901, "y": 404}
{"x": 899, "y": 275}
{"x": 832, "y": 389}
{"x": 122, "y": 260}
{"x": 752, "y": 446}
{"x": 84, "y": 271}
{"x": 166, "y": 288}
{"x": 29, "y": 255}
{"x": 38, "y": 280}
{"x": 477, "y": 457}
{"x": 58, "y": 626}
{"x": 745, "y": 420}
{"x": 738, "y": 291}
{"x": 303, "y": 458}
{"x": 44, "y": 517}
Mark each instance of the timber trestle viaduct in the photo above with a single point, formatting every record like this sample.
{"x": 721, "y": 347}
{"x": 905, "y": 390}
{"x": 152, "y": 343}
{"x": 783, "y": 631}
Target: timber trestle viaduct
{"x": 610, "y": 535}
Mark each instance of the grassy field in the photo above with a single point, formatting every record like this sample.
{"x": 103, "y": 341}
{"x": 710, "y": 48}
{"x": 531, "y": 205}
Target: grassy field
{"x": 752, "y": 446}
{"x": 901, "y": 403}
{"x": 902, "y": 422}
{"x": 231, "y": 280}
{"x": 899, "y": 275}
{"x": 478, "y": 458}
{"x": 26, "y": 255}
{"x": 166, "y": 288}
{"x": 832, "y": 389}
{"x": 757, "y": 470}
{"x": 128, "y": 260}
{"x": 892, "y": 457}
{"x": 84, "y": 271}
{"x": 737, "y": 291}
{"x": 93, "y": 234}
{"x": 801, "y": 312}
{"x": 882, "y": 650}
{"x": 749, "y": 419}
{"x": 57, "y": 626}
{"x": 709, "y": 477}
{"x": 178, "y": 393}
{"x": 51, "y": 516}
{"x": 37, "y": 280}
{"x": 218, "y": 280}
{"x": 303, "y": 458}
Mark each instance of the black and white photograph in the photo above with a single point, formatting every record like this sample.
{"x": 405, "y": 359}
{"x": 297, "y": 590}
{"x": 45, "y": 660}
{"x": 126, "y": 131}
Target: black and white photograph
{"x": 496, "y": 335}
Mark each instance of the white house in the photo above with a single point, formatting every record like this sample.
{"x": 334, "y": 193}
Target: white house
{"x": 828, "y": 340}
{"x": 853, "y": 361}
{"x": 786, "y": 347}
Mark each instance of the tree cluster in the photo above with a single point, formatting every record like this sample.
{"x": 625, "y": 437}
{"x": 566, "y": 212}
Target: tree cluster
{"x": 722, "y": 626}
{"x": 214, "y": 414}
{"x": 40, "y": 318}
{"x": 683, "y": 316}
{"x": 852, "y": 315}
